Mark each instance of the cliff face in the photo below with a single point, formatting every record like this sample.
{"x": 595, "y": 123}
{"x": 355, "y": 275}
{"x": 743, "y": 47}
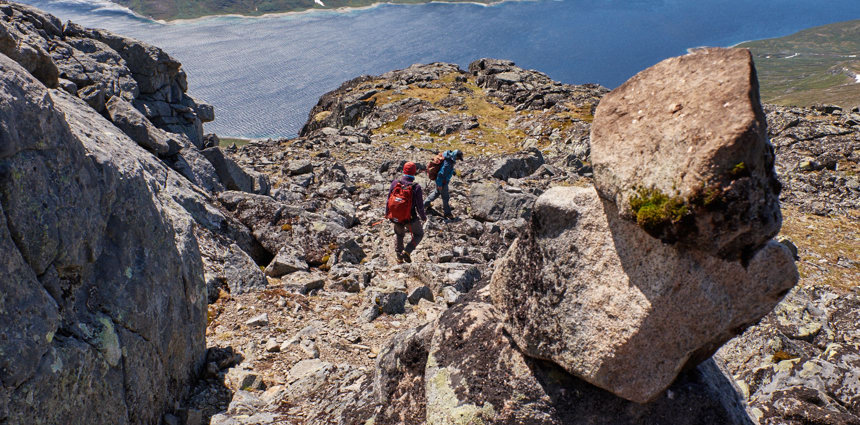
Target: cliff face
{"x": 104, "y": 194}
{"x": 103, "y": 295}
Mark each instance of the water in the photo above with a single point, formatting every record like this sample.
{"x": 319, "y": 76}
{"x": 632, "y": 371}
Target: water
{"x": 263, "y": 75}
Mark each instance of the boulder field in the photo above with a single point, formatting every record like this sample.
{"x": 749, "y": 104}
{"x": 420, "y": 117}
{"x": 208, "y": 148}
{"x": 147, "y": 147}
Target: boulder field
{"x": 612, "y": 261}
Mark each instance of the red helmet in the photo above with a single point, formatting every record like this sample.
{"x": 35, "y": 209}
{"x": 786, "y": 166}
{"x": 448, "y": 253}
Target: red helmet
{"x": 410, "y": 169}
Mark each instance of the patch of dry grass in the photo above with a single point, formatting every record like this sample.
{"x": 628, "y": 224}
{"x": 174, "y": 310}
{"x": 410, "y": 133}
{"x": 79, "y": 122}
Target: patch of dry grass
{"x": 491, "y": 136}
{"x": 829, "y": 247}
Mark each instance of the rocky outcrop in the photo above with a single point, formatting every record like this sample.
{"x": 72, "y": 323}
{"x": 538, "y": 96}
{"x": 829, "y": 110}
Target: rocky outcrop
{"x": 440, "y": 123}
{"x": 527, "y": 90}
{"x": 160, "y": 82}
{"x": 311, "y": 359}
{"x": 136, "y": 126}
{"x": 18, "y": 40}
{"x": 102, "y": 277}
{"x": 597, "y": 295}
{"x": 681, "y": 148}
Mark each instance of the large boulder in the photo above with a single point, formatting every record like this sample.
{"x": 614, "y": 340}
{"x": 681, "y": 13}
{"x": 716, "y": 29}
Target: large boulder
{"x": 492, "y": 202}
{"x": 517, "y": 166}
{"x": 681, "y": 148}
{"x": 619, "y": 308}
{"x": 104, "y": 300}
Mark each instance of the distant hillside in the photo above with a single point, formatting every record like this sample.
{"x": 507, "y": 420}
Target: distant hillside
{"x": 187, "y": 9}
{"x": 817, "y": 65}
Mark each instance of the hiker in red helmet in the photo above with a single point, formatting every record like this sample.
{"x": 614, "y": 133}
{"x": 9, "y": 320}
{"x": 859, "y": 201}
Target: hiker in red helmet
{"x": 405, "y": 209}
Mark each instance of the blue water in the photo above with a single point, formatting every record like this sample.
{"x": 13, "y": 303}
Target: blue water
{"x": 263, "y": 75}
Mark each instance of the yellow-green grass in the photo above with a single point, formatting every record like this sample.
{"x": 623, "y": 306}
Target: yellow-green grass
{"x": 229, "y": 141}
{"x": 821, "y": 242}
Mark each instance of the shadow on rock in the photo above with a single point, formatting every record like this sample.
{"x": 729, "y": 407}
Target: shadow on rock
{"x": 210, "y": 395}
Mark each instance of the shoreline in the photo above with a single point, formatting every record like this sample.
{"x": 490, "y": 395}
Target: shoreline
{"x": 345, "y": 9}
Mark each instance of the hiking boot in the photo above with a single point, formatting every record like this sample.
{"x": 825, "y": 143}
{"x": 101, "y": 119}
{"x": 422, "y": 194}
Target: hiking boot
{"x": 399, "y": 257}
{"x": 449, "y": 216}
{"x": 406, "y": 257}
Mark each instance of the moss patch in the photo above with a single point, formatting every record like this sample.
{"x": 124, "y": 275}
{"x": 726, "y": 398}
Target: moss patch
{"x": 655, "y": 210}
{"x": 740, "y": 170}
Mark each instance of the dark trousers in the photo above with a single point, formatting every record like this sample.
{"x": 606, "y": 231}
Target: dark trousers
{"x": 443, "y": 192}
{"x": 400, "y": 230}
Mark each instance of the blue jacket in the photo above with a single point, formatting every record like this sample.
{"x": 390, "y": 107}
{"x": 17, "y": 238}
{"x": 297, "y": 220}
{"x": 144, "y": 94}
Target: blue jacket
{"x": 447, "y": 169}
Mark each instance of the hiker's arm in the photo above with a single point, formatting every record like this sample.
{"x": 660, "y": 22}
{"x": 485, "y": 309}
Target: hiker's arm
{"x": 391, "y": 188}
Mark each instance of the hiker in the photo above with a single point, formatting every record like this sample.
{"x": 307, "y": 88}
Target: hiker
{"x": 441, "y": 169}
{"x": 405, "y": 209}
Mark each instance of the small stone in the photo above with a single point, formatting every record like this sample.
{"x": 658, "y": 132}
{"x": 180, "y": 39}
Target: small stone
{"x": 310, "y": 348}
{"x": 260, "y": 320}
{"x": 297, "y": 168}
{"x": 790, "y": 245}
{"x": 272, "y": 346}
{"x": 370, "y": 313}
{"x": 419, "y": 293}
{"x": 450, "y": 295}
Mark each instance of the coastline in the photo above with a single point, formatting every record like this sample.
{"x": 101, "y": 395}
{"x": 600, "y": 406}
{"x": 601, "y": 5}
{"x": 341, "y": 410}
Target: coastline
{"x": 345, "y": 9}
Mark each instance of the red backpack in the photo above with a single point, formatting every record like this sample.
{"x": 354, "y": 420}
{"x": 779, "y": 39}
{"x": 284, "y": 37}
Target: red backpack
{"x": 434, "y": 166}
{"x": 400, "y": 203}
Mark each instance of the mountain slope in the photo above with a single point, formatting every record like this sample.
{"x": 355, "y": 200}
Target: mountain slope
{"x": 817, "y": 65}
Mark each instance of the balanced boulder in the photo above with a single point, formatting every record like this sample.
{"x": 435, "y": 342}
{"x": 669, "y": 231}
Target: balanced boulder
{"x": 681, "y": 148}
{"x": 617, "y": 307}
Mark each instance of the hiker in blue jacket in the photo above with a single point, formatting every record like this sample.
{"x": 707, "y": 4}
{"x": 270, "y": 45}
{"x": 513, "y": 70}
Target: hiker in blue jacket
{"x": 442, "y": 180}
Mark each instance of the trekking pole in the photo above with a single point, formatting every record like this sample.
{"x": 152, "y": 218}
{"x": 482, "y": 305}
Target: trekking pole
{"x": 378, "y": 222}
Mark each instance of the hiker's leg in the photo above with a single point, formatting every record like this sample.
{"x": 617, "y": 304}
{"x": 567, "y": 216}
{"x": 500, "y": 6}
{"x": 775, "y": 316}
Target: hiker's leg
{"x": 417, "y": 235}
{"x": 446, "y": 207}
{"x": 399, "y": 231}
{"x": 433, "y": 195}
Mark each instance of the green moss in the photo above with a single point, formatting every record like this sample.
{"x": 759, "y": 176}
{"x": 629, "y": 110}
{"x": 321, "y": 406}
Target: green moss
{"x": 654, "y": 209}
{"x": 739, "y": 170}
